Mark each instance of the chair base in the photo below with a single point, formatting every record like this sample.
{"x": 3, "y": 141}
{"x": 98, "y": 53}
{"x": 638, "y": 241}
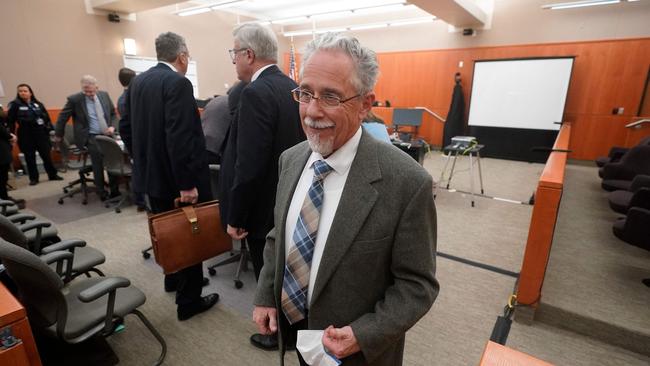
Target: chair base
{"x": 242, "y": 257}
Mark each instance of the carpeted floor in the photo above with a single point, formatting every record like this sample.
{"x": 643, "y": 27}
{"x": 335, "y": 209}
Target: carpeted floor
{"x": 454, "y": 332}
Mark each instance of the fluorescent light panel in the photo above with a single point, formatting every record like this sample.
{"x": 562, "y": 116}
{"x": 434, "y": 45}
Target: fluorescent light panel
{"x": 129, "y": 46}
{"x": 307, "y": 32}
{"x": 193, "y": 12}
{"x": 207, "y": 8}
{"x": 579, "y": 4}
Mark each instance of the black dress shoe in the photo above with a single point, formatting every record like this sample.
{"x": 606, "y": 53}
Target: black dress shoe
{"x": 33, "y": 182}
{"x": 185, "y": 312}
{"x": 114, "y": 194}
{"x": 172, "y": 288}
{"x": 265, "y": 342}
{"x": 56, "y": 177}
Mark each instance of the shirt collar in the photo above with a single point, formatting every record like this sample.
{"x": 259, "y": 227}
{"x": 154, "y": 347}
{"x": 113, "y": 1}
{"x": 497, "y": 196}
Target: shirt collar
{"x": 341, "y": 159}
{"x": 258, "y": 72}
{"x": 168, "y": 64}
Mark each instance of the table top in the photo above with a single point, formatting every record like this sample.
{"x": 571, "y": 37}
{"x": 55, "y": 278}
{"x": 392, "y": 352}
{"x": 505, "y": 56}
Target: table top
{"x": 464, "y": 149}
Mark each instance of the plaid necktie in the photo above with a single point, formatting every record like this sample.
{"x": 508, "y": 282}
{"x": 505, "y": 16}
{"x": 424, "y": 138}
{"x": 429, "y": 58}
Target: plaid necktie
{"x": 298, "y": 263}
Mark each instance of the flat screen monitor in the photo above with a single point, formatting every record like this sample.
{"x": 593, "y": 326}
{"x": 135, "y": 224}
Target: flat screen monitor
{"x": 407, "y": 117}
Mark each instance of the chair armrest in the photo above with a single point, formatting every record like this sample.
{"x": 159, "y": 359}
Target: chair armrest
{"x": 4, "y": 203}
{"x": 636, "y": 224}
{"x": 64, "y": 245}
{"x": 105, "y": 286}
{"x": 641, "y": 198}
{"x": 63, "y": 260}
{"x": 57, "y": 256}
{"x": 21, "y": 218}
{"x": 34, "y": 225}
{"x": 640, "y": 181}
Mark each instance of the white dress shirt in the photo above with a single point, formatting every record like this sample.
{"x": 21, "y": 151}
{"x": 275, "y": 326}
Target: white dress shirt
{"x": 168, "y": 64}
{"x": 333, "y": 184}
{"x": 258, "y": 72}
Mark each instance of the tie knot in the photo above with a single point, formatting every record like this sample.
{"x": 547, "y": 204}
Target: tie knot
{"x": 321, "y": 169}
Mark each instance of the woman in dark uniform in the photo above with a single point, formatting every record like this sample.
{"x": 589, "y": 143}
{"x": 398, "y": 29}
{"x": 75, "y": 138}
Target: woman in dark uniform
{"x": 33, "y": 132}
{"x": 6, "y": 139}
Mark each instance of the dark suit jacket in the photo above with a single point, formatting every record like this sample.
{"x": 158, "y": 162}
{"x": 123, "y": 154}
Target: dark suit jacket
{"x": 75, "y": 107}
{"x": 377, "y": 273}
{"x": 266, "y": 123}
{"x": 161, "y": 128}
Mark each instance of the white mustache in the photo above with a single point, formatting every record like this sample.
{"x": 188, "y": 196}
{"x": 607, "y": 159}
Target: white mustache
{"x": 318, "y": 124}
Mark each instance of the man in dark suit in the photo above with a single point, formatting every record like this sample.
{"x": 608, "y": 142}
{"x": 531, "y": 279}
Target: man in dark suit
{"x": 168, "y": 148}
{"x": 353, "y": 248}
{"x": 265, "y": 124}
{"x": 92, "y": 114}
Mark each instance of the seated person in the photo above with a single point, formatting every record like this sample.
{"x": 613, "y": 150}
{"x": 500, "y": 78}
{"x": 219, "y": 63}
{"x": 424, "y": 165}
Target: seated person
{"x": 375, "y": 126}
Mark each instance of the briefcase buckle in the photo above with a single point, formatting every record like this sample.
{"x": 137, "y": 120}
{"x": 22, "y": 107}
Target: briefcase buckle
{"x": 194, "y": 225}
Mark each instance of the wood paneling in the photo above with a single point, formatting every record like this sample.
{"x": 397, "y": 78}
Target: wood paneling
{"x": 13, "y": 315}
{"x": 498, "y": 355}
{"x": 542, "y": 222}
{"x": 606, "y": 75}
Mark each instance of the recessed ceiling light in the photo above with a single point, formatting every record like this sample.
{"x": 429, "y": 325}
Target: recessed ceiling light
{"x": 579, "y": 4}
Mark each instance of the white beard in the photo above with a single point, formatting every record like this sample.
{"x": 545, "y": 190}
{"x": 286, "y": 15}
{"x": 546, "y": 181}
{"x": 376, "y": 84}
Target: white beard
{"x": 324, "y": 147}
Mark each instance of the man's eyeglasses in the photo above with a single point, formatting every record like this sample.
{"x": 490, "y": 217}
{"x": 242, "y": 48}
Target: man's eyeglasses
{"x": 233, "y": 52}
{"x": 325, "y": 100}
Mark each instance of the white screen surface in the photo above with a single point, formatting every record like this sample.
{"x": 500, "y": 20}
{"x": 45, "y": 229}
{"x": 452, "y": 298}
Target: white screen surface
{"x": 142, "y": 64}
{"x": 526, "y": 93}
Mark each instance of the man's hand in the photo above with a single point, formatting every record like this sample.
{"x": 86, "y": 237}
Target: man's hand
{"x": 236, "y": 233}
{"x": 266, "y": 319}
{"x": 190, "y": 196}
{"x": 109, "y": 131}
{"x": 340, "y": 342}
{"x": 13, "y": 139}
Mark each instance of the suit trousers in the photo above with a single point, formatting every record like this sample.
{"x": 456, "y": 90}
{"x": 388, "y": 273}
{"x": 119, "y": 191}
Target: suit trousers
{"x": 4, "y": 177}
{"x": 256, "y": 251}
{"x": 29, "y": 145}
{"x": 189, "y": 281}
{"x": 291, "y": 335}
{"x": 97, "y": 160}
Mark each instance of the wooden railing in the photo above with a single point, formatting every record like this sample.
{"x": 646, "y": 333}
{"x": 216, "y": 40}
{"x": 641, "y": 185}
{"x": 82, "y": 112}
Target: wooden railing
{"x": 542, "y": 223}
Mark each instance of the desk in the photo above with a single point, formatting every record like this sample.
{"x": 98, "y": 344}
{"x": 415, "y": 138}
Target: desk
{"x": 498, "y": 355}
{"x": 415, "y": 148}
{"x": 470, "y": 152}
{"x": 13, "y": 316}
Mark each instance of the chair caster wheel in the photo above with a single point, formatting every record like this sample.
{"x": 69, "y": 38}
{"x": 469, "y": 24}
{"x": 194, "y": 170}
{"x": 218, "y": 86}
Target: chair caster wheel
{"x": 65, "y": 190}
{"x": 238, "y": 284}
{"x": 84, "y": 202}
{"x": 146, "y": 255}
{"x": 60, "y": 201}
{"x": 117, "y": 210}
{"x": 212, "y": 271}
{"x": 107, "y": 206}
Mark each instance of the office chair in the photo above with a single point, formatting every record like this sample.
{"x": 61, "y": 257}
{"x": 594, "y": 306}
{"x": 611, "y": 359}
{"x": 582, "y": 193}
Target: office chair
{"x": 85, "y": 259}
{"x": 39, "y": 233}
{"x": 616, "y": 153}
{"x": 633, "y": 230}
{"x": 619, "y": 175}
{"x": 67, "y": 149}
{"x": 8, "y": 208}
{"x": 78, "y": 311}
{"x": 240, "y": 256}
{"x": 116, "y": 166}
{"x": 620, "y": 200}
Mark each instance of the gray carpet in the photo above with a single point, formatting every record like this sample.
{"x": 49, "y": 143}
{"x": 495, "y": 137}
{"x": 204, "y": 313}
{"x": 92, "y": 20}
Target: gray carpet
{"x": 593, "y": 283}
{"x": 454, "y": 332}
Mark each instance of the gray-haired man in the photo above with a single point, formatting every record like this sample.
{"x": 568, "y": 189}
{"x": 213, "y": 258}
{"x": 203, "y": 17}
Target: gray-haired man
{"x": 353, "y": 248}
{"x": 93, "y": 114}
{"x": 265, "y": 124}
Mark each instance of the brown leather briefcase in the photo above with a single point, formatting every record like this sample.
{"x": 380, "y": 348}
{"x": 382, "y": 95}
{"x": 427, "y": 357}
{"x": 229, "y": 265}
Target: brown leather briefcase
{"x": 187, "y": 235}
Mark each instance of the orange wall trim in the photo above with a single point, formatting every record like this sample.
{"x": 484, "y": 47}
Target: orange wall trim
{"x": 607, "y": 74}
{"x": 542, "y": 223}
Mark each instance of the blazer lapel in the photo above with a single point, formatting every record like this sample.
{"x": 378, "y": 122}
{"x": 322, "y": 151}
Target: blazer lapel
{"x": 357, "y": 200}
{"x": 84, "y": 107}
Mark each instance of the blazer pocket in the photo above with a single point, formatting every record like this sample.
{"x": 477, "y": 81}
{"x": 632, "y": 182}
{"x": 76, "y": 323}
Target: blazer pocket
{"x": 371, "y": 246}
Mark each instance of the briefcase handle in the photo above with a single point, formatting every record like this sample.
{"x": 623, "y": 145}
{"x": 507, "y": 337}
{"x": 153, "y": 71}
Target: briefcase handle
{"x": 190, "y": 213}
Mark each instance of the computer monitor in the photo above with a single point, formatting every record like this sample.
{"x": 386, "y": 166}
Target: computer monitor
{"x": 407, "y": 117}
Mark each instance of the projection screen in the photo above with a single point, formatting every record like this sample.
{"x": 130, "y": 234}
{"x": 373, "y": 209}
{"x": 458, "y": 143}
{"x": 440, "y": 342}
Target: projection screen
{"x": 521, "y": 93}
